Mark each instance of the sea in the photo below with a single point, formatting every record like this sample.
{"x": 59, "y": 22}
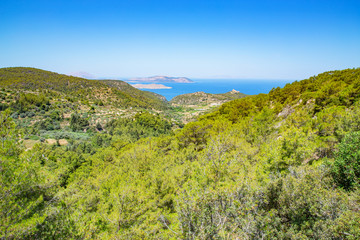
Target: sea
{"x": 246, "y": 86}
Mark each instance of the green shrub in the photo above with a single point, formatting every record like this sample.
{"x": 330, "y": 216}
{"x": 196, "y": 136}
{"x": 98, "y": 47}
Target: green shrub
{"x": 78, "y": 123}
{"x": 346, "y": 167}
{"x": 30, "y": 114}
{"x": 3, "y": 106}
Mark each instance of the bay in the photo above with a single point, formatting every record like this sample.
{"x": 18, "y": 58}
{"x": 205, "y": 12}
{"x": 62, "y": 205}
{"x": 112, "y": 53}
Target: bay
{"x": 250, "y": 87}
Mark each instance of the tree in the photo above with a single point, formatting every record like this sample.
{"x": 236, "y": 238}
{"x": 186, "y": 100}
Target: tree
{"x": 28, "y": 206}
{"x": 346, "y": 167}
{"x": 78, "y": 123}
{"x": 21, "y": 193}
{"x": 9, "y": 135}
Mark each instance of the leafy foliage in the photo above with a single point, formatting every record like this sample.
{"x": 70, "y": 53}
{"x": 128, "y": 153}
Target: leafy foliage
{"x": 346, "y": 167}
{"x": 198, "y": 98}
{"x": 256, "y": 168}
{"x": 75, "y": 89}
{"x": 78, "y": 123}
{"x": 27, "y": 196}
{"x": 9, "y": 136}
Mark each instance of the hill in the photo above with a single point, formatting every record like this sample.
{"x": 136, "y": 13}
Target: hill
{"x": 32, "y": 79}
{"x": 283, "y": 165}
{"x": 190, "y": 106}
{"x": 202, "y": 98}
{"x": 329, "y": 89}
{"x": 144, "y": 96}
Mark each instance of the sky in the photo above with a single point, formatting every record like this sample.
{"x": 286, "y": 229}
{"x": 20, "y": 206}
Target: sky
{"x": 217, "y": 39}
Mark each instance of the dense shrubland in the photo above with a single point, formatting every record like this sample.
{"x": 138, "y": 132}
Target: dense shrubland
{"x": 283, "y": 165}
{"x": 75, "y": 89}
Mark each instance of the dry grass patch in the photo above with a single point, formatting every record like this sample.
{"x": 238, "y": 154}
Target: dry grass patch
{"x": 51, "y": 141}
{"x": 63, "y": 142}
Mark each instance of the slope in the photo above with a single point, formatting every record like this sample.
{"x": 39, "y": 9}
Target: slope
{"x": 33, "y": 79}
{"x": 282, "y": 165}
{"x": 157, "y": 100}
{"x": 202, "y": 98}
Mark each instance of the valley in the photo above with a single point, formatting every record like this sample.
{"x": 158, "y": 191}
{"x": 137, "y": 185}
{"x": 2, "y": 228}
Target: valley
{"x": 100, "y": 159}
{"x": 189, "y": 120}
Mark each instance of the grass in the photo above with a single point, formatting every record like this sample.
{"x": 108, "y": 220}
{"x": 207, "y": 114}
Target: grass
{"x": 65, "y": 135}
{"x": 30, "y": 143}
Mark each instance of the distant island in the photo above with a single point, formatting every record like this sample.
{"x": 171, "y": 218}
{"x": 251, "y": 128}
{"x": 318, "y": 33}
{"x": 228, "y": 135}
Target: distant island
{"x": 162, "y": 79}
{"x": 150, "y": 86}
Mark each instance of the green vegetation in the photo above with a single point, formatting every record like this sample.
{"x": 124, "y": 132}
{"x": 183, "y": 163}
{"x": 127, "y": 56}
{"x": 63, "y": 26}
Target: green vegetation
{"x": 346, "y": 167}
{"x": 187, "y": 107}
{"x": 78, "y": 123}
{"x": 155, "y": 100}
{"x": 202, "y": 98}
{"x": 283, "y": 165}
{"x": 76, "y": 89}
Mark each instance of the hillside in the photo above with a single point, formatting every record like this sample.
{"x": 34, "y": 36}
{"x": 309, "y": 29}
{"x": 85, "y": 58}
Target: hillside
{"x": 190, "y": 106}
{"x": 202, "y": 98}
{"x": 144, "y": 96}
{"x": 283, "y": 165}
{"x": 329, "y": 89}
{"x": 32, "y": 79}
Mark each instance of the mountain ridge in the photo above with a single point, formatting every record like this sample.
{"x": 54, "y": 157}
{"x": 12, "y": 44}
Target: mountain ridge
{"x": 117, "y": 93}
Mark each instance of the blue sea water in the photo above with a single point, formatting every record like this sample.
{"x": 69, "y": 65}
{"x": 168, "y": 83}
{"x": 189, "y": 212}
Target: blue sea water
{"x": 249, "y": 87}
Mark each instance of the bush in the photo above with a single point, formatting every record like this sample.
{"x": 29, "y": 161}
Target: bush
{"x": 99, "y": 127}
{"x": 346, "y": 167}
{"x": 16, "y": 115}
{"x": 30, "y": 114}
{"x": 78, "y": 123}
{"x": 3, "y": 106}
{"x": 55, "y": 115}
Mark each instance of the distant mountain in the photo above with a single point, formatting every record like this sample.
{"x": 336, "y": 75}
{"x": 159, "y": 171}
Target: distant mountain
{"x": 202, "y": 98}
{"x": 162, "y": 79}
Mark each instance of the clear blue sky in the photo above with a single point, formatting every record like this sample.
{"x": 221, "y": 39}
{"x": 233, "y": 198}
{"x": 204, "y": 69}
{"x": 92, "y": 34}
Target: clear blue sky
{"x": 289, "y": 39}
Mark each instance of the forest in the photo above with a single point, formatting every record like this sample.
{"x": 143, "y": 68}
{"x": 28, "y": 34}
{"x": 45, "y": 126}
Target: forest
{"x": 91, "y": 159}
